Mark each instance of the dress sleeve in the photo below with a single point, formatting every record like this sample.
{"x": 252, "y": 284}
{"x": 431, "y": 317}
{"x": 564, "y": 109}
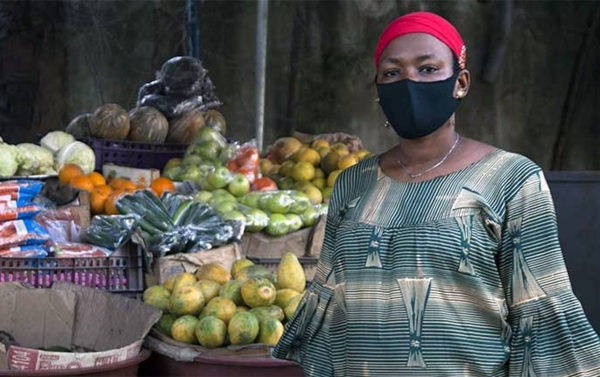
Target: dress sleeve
{"x": 306, "y": 336}
{"x": 551, "y": 336}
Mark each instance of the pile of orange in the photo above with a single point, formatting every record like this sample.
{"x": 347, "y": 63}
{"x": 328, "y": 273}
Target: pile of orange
{"x": 103, "y": 195}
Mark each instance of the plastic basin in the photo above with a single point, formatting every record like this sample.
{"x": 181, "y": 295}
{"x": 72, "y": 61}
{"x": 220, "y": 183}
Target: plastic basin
{"x": 124, "y": 368}
{"x": 160, "y": 365}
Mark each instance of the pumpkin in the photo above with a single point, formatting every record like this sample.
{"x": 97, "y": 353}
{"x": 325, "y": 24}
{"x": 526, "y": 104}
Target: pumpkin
{"x": 110, "y": 121}
{"x": 216, "y": 120}
{"x": 184, "y": 128}
{"x": 79, "y": 126}
{"x": 148, "y": 125}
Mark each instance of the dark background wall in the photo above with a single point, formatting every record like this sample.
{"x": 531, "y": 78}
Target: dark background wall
{"x": 534, "y": 64}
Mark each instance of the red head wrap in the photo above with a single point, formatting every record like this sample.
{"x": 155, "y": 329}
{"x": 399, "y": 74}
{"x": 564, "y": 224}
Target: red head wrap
{"x": 428, "y": 23}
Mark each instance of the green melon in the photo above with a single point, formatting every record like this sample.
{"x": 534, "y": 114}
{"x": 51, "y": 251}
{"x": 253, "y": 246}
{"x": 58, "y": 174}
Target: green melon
{"x": 110, "y": 121}
{"x": 147, "y": 125}
{"x": 184, "y": 128}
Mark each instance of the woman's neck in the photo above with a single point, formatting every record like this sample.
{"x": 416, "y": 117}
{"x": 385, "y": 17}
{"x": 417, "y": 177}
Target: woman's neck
{"x": 424, "y": 151}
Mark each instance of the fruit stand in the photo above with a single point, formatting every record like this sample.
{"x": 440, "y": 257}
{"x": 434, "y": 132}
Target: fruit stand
{"x": 157, "y": 204}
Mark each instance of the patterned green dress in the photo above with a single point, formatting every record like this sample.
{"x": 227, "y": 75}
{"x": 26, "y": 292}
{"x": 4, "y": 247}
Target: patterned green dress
{"x": 461, "y": 275}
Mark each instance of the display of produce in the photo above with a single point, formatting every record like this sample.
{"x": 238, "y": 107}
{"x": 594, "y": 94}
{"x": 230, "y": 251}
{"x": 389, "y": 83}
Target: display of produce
{"x": 311, "y": 165}
{"x": 216, "y": 308}
{"x": 147, "y": 125}
{"x": 57, "y": 148}
{"x": 175, "y": 223}
{"x": 160, "y": 182}
{"x": 110, "y": 121}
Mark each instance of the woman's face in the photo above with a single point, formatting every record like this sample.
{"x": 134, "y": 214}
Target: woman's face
{"x": 418, "y": 57}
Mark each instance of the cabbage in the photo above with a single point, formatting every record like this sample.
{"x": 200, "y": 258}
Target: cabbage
{"x": 76, "y": 153}
{"x": 33, "y": 159}
{"x": 8, "y": 160}
{"x": 55, "y": 140}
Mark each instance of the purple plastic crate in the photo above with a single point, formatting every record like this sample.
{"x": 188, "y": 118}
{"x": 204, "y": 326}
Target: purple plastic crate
{"x": 133, "y": 154}
{"x": 119, "y": 273}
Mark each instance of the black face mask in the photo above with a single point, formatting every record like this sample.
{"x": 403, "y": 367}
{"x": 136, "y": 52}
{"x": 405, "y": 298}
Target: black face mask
{"x": 416, "y": 109}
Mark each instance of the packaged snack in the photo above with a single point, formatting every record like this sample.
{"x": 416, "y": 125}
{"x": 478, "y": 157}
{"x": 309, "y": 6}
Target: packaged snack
{"x": 36, "y": 251}
{"x": 22, "y": 189}
{"x": 22, "y": 233}
{"x": 77, "y": 250}
{"x": 15, "y": 209}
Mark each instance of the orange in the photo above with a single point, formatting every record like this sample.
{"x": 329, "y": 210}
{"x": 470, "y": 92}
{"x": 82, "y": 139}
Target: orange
{"x": 129, "y": 186}
{"x": 117, "y": 183}
{"x": 98, "y": 198}
{"x": 68, "y": 172}
{"x": 140, "y": 187}
{"x": 97, "y": 179}
{"x": 110, "y": 207}
{"x": 82, "y": 182}
{"x": 162, "y": 184}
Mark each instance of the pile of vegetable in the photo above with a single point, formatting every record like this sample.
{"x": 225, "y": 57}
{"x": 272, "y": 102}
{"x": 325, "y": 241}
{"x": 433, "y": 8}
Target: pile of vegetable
{"x": 57, "y": 149}
{"x": 175, "y": 223}
{"x": 170, "y": 109}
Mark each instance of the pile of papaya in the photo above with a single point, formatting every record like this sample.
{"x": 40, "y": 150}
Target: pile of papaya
{"x": 216, "y": 307}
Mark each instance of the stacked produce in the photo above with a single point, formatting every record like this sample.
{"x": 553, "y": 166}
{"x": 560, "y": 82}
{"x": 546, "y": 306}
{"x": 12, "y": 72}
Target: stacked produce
{"x": 311, "y": 166}
{"x": 103, "y": 193}
{"x": 57, "y": 149}
{"x": 175, "y": 223}
{"x": 229, "y": 179}
{"x": 215, "y": 307}
{"x": 170, "y": 109}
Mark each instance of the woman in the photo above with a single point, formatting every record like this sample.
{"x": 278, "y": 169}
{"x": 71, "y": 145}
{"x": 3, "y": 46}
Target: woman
{"x": 441, "y": 256}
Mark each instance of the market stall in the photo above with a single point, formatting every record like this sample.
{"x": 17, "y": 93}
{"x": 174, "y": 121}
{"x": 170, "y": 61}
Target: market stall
{"x": 158, "y": 204}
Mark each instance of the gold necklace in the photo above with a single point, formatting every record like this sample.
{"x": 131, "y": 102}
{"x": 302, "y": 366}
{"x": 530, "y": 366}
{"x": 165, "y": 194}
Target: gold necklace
{"x": 438, "y": 164}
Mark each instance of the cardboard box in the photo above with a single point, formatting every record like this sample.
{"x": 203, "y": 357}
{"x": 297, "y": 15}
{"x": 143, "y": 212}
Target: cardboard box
{"x": 102, "y": 328}
{"x": 138, "y": 176}
{"x": 80, "y": 207}
{"x": 304, "y": 242}
{"x": 169, "y": 265}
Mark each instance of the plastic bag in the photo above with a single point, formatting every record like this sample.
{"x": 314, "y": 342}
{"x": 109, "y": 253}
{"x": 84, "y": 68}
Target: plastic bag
{"x": 182, "y": 75}
{"x": 256, "y": 219}
{"x": 22, "y": 233}
{"x": 63, "y": 231}
{"x": 173, "y": 201}
{"x": 182, "y": 85}
{"x": 246, "y": 160}
{"x": 67, "y": 218}
{"x": 110, "y": 231}
{"x": 282, "y": 201}
{"x": 21, "y": 189}
{"x": 14, "y": 210}
{"x": 57, "y": 193}
{"x": 153, "y": 87}
{"x": 263, "y": 184}
{"x": 78, "y": 250}
{"x": 36, "y": 251}
{"x": 154, "y": 216}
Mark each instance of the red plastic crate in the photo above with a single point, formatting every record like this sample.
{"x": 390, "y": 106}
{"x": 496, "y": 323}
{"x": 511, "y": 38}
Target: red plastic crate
{"x": 133, "y": 154}
{"x": 119, "y": 273}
